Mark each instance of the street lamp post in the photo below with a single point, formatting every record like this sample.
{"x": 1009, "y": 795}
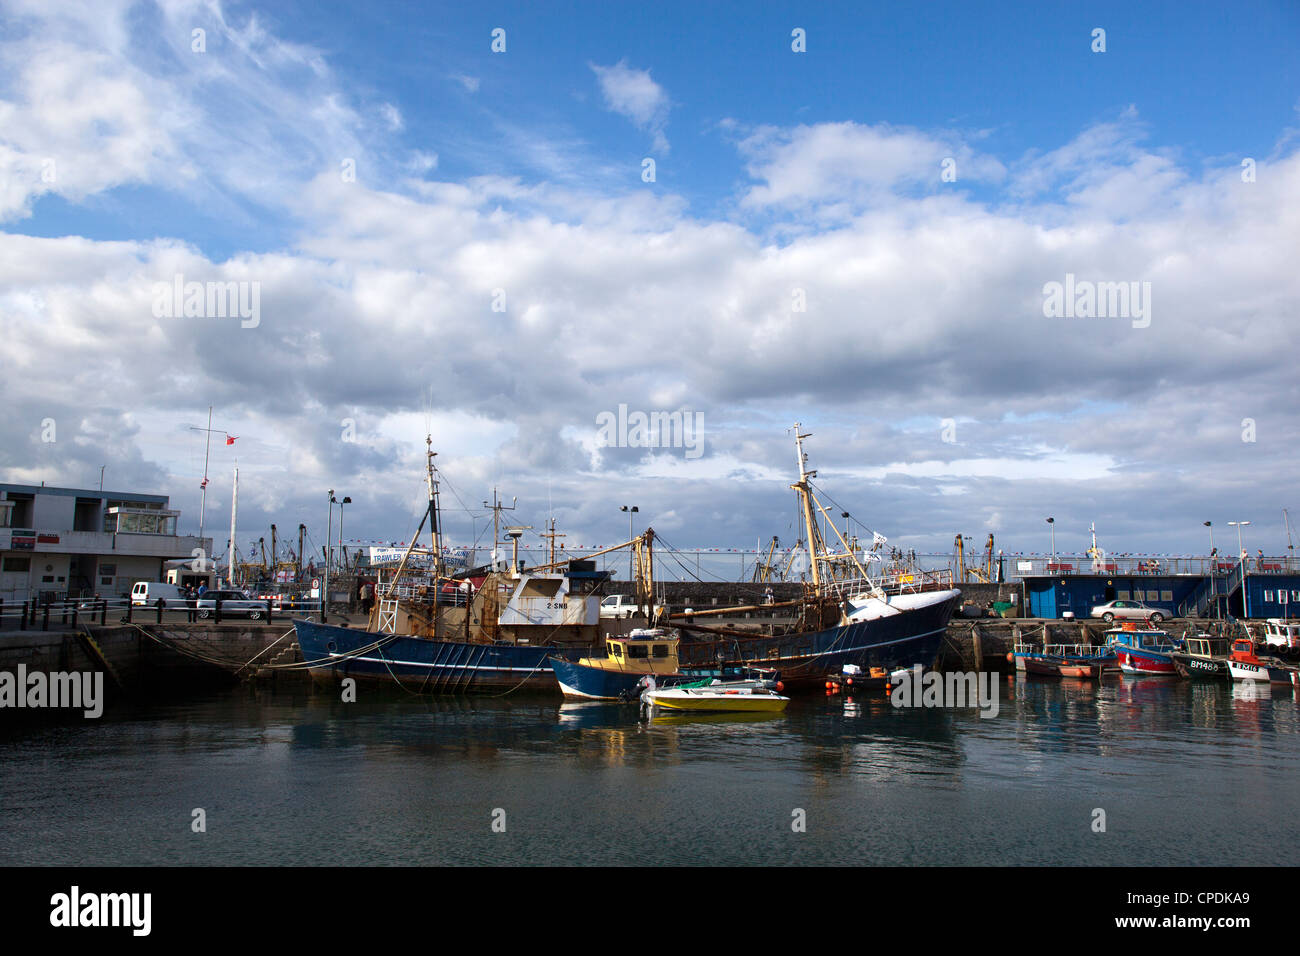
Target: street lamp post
{"x": 1241, "y": 551}
{"x": 1051, "y": 523}
{"x": 630, "y": 512}
{"x": 1214, "y": 587}
{"x": 329, "y": 534}
{"x": 343, "y": 561}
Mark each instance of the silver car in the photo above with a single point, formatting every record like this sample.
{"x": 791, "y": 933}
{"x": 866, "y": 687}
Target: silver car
{"x": 1127, "y": 611}
{"x": 232, "y": 603}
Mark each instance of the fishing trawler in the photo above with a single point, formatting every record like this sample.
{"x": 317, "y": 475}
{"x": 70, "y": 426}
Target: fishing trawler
{"x": 844, "y": 617}
{"x": 431, "y": 632}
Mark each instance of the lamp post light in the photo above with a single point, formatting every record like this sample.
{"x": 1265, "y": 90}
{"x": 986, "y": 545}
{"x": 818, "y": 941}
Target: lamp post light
{"x": 1214, "y": 587}
{"x": 630, "y": 512}
{"x": 1241, "y": 551}
{"x": 329, "y": 534}
{"x": 1051, "y": 523}
{"x": 343, "y": 561}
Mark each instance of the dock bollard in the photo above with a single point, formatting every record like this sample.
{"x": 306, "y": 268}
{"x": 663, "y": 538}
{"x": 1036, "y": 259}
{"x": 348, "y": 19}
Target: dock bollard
{"x": 216, "y": 606}
{"x": 103, "y": 612}
{"x": 45, "y": 619}
{"x": 22, "y": 622}
{"x": 129, "y": 606}
{"x": 270, "y": 611}
{"x": 160, "y": 609}
{"x": 74, "y": 615}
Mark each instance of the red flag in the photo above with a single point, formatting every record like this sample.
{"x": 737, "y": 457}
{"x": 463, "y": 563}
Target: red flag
{"x": 230, "y": 439}
{"x": 203, "y": 483}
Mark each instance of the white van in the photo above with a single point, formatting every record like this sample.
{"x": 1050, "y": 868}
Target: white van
{"x": 147, "y": 593}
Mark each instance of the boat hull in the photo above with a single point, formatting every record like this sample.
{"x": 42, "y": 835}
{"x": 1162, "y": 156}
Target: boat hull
{"x": 1200, "y": 668}
{"x": 1045, "y": 667}
{"x": 423, "y": 665}
{"x": 596, "y": 683}
{"x": 1244, "y": 672}
{"x": 807, "y": 660}
{"x": 719, "y": 703}
{"x": 1144, "y": 662}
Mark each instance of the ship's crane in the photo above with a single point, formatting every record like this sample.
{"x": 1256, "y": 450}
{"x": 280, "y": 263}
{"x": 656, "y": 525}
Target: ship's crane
{"x": 763, "y": 570}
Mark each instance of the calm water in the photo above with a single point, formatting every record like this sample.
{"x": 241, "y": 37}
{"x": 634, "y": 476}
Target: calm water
{"x": 1187, "y": 774}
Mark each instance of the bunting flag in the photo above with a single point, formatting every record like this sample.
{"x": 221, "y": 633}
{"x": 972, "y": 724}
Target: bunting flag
{"x": 204, "y": 483}
{"x": 230, "y": 439}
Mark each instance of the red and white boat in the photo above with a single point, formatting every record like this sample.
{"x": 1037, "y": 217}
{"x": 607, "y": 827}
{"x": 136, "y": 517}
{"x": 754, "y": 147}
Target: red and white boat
{"x": 1245, "y": 665}
{"x": 1143, "y": 650}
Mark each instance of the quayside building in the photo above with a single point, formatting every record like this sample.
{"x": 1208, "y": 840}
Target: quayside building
{"x": 60, "y": 543}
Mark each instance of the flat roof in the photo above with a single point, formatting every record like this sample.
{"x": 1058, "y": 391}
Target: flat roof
{"x": 82, "y": 493}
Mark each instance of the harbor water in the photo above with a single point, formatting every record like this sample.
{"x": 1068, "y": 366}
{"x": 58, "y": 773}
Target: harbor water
{"x": 1125, "y": 772}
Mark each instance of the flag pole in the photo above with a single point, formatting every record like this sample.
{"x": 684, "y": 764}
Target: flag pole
{"x": 203, "y": 500}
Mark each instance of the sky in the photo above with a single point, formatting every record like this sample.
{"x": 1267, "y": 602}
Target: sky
{"x": 501, "y": 223}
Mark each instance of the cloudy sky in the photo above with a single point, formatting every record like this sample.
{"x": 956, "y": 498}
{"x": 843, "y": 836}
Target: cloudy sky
{"x": 497, "y": 222}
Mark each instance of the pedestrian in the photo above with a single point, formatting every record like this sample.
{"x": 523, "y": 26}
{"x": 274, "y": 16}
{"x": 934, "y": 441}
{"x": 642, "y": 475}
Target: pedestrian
{"x": 768, "y": 596}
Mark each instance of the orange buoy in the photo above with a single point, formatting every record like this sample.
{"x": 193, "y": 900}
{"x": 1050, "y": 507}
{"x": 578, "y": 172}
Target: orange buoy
{"x": 1011, "y": 657}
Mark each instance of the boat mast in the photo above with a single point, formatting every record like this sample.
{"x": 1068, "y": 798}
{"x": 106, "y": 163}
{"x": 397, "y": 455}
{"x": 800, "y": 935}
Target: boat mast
{"x": 805, "y": 500}
{"x": 433, "y": 526}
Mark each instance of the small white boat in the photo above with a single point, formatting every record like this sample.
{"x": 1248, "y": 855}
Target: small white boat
{"x": 744, "y": 696}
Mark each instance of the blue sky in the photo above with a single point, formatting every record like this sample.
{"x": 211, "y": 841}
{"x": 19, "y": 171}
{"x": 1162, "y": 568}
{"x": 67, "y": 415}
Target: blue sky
{"x": 778, "y": 174}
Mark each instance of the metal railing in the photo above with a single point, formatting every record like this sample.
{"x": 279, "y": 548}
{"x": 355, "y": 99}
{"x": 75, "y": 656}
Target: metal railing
{"x": 38, "y": 615}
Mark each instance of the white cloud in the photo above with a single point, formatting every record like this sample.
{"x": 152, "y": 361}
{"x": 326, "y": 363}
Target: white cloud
{"x": 633, "y": 94}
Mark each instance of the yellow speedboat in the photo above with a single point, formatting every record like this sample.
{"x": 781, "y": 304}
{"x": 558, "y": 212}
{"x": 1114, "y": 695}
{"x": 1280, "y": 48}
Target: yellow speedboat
{"x": 755, "y": 697}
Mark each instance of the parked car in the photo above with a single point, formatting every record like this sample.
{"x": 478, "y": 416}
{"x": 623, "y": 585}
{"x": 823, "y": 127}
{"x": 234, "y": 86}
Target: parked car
{"x": 148, "y": 593}
{"x": 232, "y": 603}
{"x": 1127, "y": 611}
{"x": 622, "y": 606}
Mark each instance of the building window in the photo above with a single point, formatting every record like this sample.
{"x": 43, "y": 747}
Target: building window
{"x": 1268, "y": 595}
{"x": 108, "y": 570}
{"x": 1122, "y": 595}
{"x": 22, "y": 511}
{"x": 18, "y": 564}
{"x": 106, "y": 582}
{"x": 1166, "y": 595}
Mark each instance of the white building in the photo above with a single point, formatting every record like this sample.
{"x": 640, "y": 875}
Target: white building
{"x": 57, "y": 542}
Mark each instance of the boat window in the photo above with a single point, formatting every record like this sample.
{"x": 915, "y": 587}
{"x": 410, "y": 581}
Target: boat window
{"x": 615, "y": 650}
{"x": 661, "y": 650}
{"x": 638, "y": 650}
{"x": 541, "y": 587}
